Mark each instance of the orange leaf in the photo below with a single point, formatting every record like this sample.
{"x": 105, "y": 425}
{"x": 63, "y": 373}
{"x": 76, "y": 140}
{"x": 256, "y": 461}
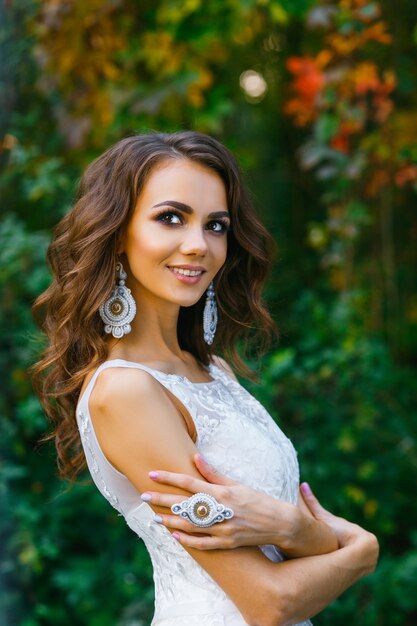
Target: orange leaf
{"x": 294, "y": 64}
{"x": 340, "y": 143}
{"x": 309, "y": 79}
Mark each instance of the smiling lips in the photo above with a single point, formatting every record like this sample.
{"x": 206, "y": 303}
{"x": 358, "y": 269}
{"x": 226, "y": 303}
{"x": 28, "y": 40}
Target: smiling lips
{"x": 186, "y": 274}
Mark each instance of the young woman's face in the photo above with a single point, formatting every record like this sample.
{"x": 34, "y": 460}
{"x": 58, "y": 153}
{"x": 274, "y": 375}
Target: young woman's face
{"x": 180, "y": 221}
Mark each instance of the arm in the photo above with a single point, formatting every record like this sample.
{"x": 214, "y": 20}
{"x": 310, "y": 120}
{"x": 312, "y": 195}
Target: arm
{"x": 266, "y": 593}
{"x": 259, "y": 518}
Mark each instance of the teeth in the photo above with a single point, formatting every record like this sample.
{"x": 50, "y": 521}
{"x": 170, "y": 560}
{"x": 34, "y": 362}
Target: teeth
{"x": 179, "y": 270}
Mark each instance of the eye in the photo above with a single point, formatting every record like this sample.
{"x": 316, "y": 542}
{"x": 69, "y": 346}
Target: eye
{"x": 223, "y": 226}
{"x": 161, "y": 217}
{"x": 167, "y": 217}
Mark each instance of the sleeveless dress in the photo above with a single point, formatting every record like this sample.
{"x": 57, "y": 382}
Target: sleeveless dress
{"x": 236, "y": 435}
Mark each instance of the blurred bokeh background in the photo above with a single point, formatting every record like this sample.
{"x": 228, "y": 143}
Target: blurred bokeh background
{"x": 318, "y": 102}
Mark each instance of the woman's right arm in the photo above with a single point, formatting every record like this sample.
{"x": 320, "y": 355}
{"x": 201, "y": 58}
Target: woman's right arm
{"x": 139, "y": 429}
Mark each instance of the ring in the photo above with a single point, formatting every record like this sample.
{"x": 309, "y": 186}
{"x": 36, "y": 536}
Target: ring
{"x": 202, "y": 510}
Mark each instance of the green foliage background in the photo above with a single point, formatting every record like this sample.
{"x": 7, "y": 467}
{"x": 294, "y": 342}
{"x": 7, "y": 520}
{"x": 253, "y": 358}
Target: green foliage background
{"x": 74, "y": 78}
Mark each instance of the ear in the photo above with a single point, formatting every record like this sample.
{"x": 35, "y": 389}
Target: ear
{"x": 121, "y": 256}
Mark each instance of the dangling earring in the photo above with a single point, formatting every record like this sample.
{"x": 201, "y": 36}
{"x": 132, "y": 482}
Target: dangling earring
{"x": 210, "y": 315}
{"x": 120, "y": 308}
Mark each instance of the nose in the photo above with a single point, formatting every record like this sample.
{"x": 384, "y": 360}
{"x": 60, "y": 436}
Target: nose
{"x": 194, "y": 242}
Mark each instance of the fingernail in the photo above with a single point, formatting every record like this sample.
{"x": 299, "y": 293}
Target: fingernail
{"x": 176, "y": 536}
{"x": 202, "y": 458}
{"x": 153, "y": 474}
{"x": 157, "y": 518}
{"x": 306, "y": 489}
{"x": 146, "y": 497}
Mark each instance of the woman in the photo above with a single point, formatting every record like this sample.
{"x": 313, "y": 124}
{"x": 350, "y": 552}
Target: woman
{"x": 161, "y": 255}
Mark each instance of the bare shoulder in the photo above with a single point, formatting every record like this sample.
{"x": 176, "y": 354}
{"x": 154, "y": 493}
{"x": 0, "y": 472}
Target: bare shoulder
{"x": 121, "y": 385}
{"x": 222, "y": 364}
{"x": 130, "y": 411}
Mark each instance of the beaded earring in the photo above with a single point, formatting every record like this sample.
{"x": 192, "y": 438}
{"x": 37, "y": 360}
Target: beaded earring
{"x": 120, "y": 308}
{"x": 210, "y": 315}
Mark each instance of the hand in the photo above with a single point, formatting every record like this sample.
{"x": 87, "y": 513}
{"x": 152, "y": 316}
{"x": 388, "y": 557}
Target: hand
{"x": 347, "y": 533}
{"x": 344, "y": 530}
{"x": 258, "y": 518}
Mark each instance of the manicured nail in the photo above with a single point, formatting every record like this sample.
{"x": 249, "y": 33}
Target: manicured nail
{"x": 176, "y": 536}
{"x": 157, "y": 518}
{"x": 153, "y": 474}
{"x": 202, "y": 458}
{"x": 306, "y": 489}
{"x": 146, "y": 497}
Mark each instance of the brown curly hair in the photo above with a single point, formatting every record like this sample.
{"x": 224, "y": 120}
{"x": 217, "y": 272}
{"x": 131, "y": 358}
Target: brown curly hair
{"x": 82, "y": 257}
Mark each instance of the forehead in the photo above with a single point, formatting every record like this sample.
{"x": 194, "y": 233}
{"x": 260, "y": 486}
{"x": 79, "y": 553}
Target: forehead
{"x": 185, "y": 181}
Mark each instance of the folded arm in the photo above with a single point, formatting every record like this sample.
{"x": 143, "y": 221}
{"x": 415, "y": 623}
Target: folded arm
{"x": 266, "y": 593}
{"x": 258, "y": 518}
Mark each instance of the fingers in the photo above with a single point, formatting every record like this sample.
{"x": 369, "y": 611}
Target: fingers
{"x": 193, "y": 536}
{"x": 179, "y": 523}
{"x": 184, "y": 481}
{"x": 203, "y": 543}
{"x": 189, "y": 483}
{"x": 161, "y": 499}
{"x": 210, "y": 473}
{"x": 311, "y": 500}
{"x": 176, "y": 521}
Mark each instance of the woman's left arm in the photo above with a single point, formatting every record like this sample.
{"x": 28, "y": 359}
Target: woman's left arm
{"x": 258, "y": 519}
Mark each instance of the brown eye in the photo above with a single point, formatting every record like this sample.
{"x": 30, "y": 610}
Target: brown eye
{"x": 222, "y": 226}
{"x": 162, "y": 217}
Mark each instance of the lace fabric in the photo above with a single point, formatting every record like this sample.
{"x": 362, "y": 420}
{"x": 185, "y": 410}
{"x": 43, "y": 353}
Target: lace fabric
{"x": 236, "y": 435}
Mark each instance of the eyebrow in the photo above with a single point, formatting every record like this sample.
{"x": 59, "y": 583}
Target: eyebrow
{"x": 187, "y": 209}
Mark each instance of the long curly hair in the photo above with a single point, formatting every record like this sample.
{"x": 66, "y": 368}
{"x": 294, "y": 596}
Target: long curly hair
{"x": 83, "y": 255}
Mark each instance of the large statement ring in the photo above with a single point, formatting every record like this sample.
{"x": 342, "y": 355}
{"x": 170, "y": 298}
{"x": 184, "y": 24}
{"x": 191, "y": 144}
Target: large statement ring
{"x": 202, "y": 510}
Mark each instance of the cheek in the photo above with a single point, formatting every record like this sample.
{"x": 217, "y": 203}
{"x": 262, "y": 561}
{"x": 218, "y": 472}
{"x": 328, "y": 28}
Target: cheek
{"x": 222, "y": 248}
{"x": 145, "y": 242}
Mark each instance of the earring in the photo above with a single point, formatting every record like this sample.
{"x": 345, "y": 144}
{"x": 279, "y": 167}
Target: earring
{"x": 210, "y": 315}
{"x": 120, "y": 308}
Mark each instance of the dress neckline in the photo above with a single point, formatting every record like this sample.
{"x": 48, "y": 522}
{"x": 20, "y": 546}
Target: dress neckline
{"x": 211, "y": 368}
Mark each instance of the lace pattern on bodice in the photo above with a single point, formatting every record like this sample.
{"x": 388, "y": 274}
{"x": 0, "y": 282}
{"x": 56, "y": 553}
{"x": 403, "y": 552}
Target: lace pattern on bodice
{"x": 237, "y": 436}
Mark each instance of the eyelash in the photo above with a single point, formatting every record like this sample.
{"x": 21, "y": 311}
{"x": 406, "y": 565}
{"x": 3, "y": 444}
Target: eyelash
{"x": 224, "y": 223}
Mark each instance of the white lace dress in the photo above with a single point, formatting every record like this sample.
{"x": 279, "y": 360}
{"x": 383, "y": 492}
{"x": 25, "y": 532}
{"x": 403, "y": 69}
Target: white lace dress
{"x": 238, "y": 437}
